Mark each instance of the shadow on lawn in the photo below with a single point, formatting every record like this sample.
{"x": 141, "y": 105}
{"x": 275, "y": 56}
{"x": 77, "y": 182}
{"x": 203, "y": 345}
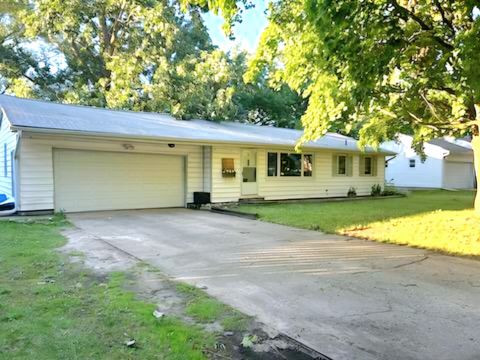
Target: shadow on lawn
{"x": 332, "y": 217}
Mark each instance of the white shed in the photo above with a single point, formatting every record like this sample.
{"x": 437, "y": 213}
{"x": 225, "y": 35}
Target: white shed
{"x": 448, "y": 164}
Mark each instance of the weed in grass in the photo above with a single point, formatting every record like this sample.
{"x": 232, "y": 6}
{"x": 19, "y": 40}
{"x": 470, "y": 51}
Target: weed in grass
{"x": 205, "y": 309}
{"x": 235, "y": 322}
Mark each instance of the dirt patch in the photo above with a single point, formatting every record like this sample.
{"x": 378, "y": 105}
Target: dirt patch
{"x": 246, "y": 338}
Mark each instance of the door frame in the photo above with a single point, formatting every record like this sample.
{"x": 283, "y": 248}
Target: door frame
{"x": 250, "y": 190}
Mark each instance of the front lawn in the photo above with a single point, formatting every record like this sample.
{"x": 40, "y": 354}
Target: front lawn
{"x": 436, "y": 219}
{"x": 52, "y": 309}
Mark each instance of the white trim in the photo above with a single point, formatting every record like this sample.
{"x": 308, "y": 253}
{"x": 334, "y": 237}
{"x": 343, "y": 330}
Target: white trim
{"x": 114, "y": 136}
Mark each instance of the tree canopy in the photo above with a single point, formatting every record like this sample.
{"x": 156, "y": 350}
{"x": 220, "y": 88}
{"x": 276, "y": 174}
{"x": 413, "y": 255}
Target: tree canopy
{"x": 379, "y": 67}
{"x": 129, "y": 54}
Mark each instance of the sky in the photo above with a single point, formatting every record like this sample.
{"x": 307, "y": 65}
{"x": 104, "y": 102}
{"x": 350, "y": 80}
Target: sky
{"x": 247, "y": 33}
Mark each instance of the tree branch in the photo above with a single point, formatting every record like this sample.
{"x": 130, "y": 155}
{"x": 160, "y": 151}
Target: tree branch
{"x": 29, "y": 78}
{"x": 406, "y": 14}
{"x": 443, "y": 125}
{"x": 444, "y": 16}
{"x": 115, "y": 27}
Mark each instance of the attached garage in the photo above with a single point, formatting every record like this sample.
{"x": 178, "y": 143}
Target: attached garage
{"x": 458, "y": 175}
{"x": 101, "y": 180}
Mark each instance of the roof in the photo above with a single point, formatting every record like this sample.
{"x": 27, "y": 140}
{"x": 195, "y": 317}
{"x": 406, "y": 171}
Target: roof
{"x": 454, "y": 147}
{"x": 36, "y": 115}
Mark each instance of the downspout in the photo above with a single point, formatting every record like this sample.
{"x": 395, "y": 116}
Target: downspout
{"x": 16, "y": 174}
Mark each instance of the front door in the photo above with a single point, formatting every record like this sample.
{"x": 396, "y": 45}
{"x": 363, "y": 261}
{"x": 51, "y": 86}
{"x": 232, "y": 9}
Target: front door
{"x": 249, "y": 172}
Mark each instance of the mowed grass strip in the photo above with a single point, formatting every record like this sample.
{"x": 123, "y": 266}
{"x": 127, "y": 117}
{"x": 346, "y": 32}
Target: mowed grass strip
{"x": 206, "y": 309}
{"x": 50, "y": 309}
{"x": 435, "y": 219}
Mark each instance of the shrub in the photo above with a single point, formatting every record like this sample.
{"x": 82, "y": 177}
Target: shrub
{"x": 352, "y": 192}
{"x": 376, "y": 190}
{"x": 390, "y": 190}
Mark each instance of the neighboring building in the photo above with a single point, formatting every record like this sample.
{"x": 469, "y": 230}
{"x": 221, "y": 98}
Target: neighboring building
{"x": 77, "y": 158}
{"x": 449, "y": 164}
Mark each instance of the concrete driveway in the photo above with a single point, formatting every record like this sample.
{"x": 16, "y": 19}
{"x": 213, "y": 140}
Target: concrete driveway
{"x": 346, "y": 298}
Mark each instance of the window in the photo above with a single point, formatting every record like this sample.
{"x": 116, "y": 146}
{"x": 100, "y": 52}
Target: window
{"x": 289, "y": 164}
{"x": 368, "y": 166}
{"x": 342, "y": 165}
{"x": 307, "y": 165}
{"x": 412, "y": 163}
{"x": 272, "y": 164}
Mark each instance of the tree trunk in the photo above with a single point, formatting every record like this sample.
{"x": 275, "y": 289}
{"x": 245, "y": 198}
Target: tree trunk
{"x": 476, "y": 159}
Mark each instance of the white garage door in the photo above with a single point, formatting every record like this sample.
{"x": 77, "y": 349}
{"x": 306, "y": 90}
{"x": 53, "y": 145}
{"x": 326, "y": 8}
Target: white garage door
{"x": 96, "y": 180}
{"x": 458, "y": 175}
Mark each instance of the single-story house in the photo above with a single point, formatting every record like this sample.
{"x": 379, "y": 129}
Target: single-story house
{"x": 448, "y": 164}
{"x": 72, "y": 158}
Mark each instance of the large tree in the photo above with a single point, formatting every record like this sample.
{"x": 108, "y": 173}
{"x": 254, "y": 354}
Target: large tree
{"x": 102, "y": 52}
{"x": 130, "y": 54}
{"x": 379, "y": 66}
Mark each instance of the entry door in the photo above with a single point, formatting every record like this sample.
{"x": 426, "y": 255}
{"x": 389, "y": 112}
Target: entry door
{"x": 249, "y": 172}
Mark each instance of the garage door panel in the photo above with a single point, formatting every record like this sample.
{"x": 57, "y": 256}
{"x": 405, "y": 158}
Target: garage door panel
{"x": 458, "y": 175}
{"x": 93, "y": 180}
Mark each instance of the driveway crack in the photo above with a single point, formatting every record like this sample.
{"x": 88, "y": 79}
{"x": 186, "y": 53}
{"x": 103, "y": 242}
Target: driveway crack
{"x": 411, "y": 263}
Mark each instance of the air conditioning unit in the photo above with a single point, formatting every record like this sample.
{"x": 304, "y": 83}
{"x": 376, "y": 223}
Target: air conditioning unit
{"x": 201, "y": 198}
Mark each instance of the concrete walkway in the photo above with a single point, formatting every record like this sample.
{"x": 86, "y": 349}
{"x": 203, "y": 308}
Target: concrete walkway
{"x": 346, "y": 298}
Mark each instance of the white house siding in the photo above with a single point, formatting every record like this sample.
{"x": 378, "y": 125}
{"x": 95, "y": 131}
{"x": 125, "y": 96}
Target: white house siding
{"x": 427, "y": 174}
{"x": 8, "y": 141}
{"x": 225, "y": 189}
{"x": 321, "y": 184}
{"x": 36, "y": 164}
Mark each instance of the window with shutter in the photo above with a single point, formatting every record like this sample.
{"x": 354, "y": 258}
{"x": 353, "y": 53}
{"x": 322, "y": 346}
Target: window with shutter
{"x": 368, "y": 166}
{"x": 342, "y": 165}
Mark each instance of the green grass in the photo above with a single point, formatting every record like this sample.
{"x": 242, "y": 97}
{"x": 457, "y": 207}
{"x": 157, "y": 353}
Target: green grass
{"x": 205, "y": 309}
{"x": 436, "y": 219}
{"x": 51, "y": 309}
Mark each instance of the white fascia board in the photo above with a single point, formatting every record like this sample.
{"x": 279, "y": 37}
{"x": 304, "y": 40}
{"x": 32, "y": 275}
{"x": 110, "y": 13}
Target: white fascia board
{"x": 113, "y": 136}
